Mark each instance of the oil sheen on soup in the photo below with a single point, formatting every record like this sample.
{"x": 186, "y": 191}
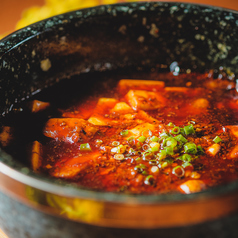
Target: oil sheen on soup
{"x": 143, "y": 135}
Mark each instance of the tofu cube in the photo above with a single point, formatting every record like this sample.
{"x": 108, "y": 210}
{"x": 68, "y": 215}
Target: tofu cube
{"x": 144, "y": 100}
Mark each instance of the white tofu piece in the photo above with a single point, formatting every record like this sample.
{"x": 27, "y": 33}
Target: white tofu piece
{"x": 69, "y": 129}
{"x": 213, "y": 149}
{"x": 234, "y": 153}
{"x": 201, "y": 103}
{"x": 151, "y": 85}
{"x": 192, "y": 186}
{"x": 103, "y": 107}
{"x": 98, "y": 121}
{"x": 137, "y": 131}
{"x": 233, "y": 129}
{"x": 122, "y": 108}
{"x": 74, "y": 166}
{"x": 144, "y": 100}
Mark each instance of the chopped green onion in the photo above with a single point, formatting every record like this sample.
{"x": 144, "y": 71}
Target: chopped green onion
{"x": 154, "y": 149}
{"x": 169, "y": 160}
{"x": 124, "y": 133}
{"x": 190, "y": 148}
{"x": 178, "y": 171}
{"x": 147, "y": 155}
{"x": 121, "y": 149}
{"x": 170, "y": 142}
{"x": 119, "y": 157}
{"x": 170, "y": 124}
{"x": 131, "y": 140}
{"x": 149, "y": 180}
{"x": 164, "y": 135}
{"x": 153, "y": 162}
{"x": 154, "y": 144}
{"x": 138, "y": 145}
{"x": 200, "y": 149}
{"x": 144, "y": 172}
{"x": 138, "y": 159}
{"x": 169, "y": 150}
{"x": 180, "y": 138}
{"x": 175, "y": 130}
{"x": 154, "y": 138}
{"x": 85, "y": 147}
{"x": 182, "y": 131}
{"x": 131, "y": 151}
{"x": 145, "y": 147}
{"x": 146, "y": 133}
{"x": 164, "y": 165}
{"x": 115, "y": 143}
{"x": 186, "y": 158}
{"x": 162, "y": 155}
{"x": 142, "y": 139}
{"x": 140, "y": 168}
{"x": 187, "y": 164}
{"x": 217, "y": 139}
{"x": 189, "y": 129}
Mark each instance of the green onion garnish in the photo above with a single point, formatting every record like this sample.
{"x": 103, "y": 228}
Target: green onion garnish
{"x": 142, "y": 139}
{"x": 154, "y": 149}
{"x": 140, "y": 168}
{"x": 144, "y": 172}
{"x": 162, "y": 155}
{"x": 85, "y": 147}
{"x": 200, "y": 149}
{"x": 217, "y": 139}
{"x": 164, "y": 135}
{"x": 175, "y": 130}
{"x": 149, "y": 180}
{"x": 165, "y": 164}
{"x": 124, "y": 133}
{"x": 189, "y": 130}
{"x": 186, "y": 158}
{"x": 190, "y": 148}
{"x": 138, "y": 145}
{"x": 178, "y": 171}
{"x": 138, "y": 159}
{"x": 154, "y": 139}
{"x": 170, "y": 142}
{"x": 186, "y": 164}
{"x": 169, "y": 150}
{"x": 170, "y": 124}
{"x": 147, "y": 155}
{"x": 131, "y": 140}
{"x": 115, "y": 143}
{"x": 182, "y": 131}
{"x": 119, "y": 157}
{"x": 180, "y": 138}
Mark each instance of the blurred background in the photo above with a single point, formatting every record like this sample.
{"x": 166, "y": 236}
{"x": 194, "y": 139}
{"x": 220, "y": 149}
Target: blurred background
{"x": 15, "y": 14}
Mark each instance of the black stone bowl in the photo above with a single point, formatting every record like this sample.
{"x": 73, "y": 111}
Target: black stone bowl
{"x": 106, "y": 38}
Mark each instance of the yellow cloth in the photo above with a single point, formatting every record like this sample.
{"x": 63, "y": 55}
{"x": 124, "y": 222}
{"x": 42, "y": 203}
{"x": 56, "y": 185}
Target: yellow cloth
{"x": 54, "y": 7}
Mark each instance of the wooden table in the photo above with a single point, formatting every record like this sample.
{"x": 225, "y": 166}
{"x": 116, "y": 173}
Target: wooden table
{"x": 11, "y": 10}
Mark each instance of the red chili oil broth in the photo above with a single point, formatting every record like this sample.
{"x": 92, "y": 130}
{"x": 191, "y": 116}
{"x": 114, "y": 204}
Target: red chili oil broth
{"x": 134, "y": 173}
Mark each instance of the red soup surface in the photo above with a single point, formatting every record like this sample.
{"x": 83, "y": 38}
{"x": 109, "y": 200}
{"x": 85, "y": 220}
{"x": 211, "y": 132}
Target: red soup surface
{"x": 165, "y": 134}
